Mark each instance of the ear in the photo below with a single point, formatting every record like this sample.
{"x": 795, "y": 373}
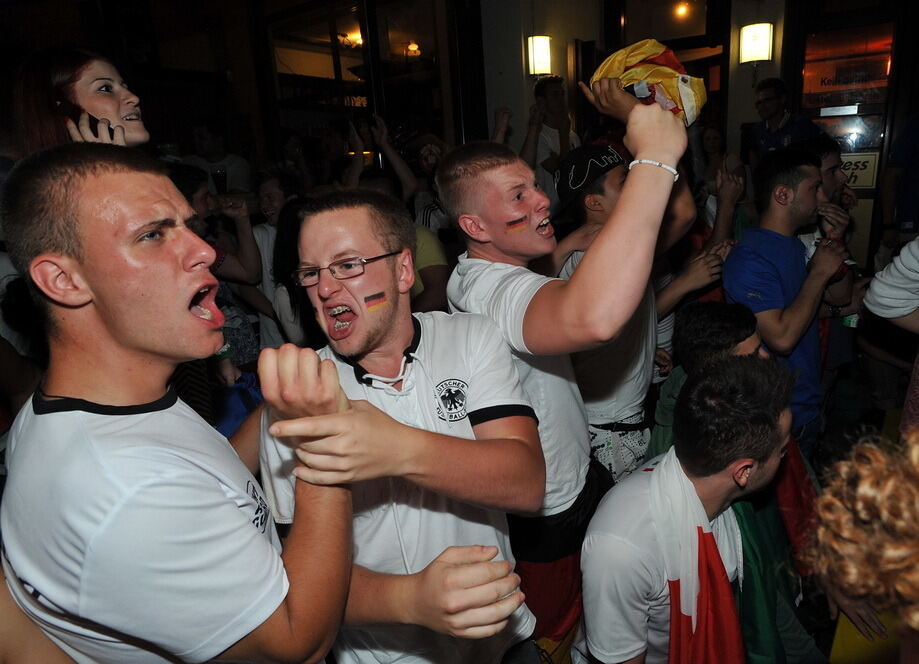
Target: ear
{"x": 783, "y": 194}
{"x": 740, "y": 470}
{"x": 405, "y": 271}
{"x": 593, "y": 203}
{"x": 59, "y": 278}
{"x": 473, "y": 226}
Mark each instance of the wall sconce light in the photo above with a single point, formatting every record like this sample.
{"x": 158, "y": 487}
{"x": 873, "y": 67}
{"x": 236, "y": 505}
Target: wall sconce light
{"x": 756, "y": 42}
{"x": 539, "y": 55}
{"x": 412, "y": 49}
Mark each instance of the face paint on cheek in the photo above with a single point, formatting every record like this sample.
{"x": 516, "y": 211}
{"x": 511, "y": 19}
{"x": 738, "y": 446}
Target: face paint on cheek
{"x": 515, "y": 225}
{"x": 376, "y": 301}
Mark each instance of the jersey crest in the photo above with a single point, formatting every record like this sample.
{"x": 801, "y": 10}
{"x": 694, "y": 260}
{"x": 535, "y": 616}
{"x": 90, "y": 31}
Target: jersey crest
{"x": 451, "y": 399}
{"x": 260, "y": 520}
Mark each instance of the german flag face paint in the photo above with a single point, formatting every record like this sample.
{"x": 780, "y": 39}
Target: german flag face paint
{"x": 376, "y": 301}
{"x": 515, "y": 225}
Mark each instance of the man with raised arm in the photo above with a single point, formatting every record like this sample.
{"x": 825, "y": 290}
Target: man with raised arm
{"x": 132, "y": 532}
{"x": 495, "y": 199}
{"x": 439, "y": 443}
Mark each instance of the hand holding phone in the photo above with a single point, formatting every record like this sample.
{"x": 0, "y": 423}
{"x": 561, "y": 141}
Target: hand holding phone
{"x": 85, "y": 128}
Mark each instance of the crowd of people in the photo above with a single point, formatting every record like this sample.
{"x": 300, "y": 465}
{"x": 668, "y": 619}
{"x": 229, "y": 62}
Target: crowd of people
{"x": 485, "y": 403}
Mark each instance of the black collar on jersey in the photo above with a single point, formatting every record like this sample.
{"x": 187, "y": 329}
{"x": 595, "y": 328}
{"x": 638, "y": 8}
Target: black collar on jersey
{"x": 42, "y": 404}
{"x": 360, "y": 373}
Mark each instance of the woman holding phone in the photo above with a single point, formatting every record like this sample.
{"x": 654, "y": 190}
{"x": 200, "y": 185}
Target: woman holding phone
{"x": 72, "y": 94}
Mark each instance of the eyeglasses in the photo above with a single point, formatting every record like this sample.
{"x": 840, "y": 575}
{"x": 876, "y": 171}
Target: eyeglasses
{"x": 345, "y": 268}
{"x": 764, "y": 100}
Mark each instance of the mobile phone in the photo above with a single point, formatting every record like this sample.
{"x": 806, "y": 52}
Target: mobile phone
{"x": 72, "y": 111}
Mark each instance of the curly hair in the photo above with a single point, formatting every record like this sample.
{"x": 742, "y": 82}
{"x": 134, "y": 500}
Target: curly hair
{"x": 867, "y": 537}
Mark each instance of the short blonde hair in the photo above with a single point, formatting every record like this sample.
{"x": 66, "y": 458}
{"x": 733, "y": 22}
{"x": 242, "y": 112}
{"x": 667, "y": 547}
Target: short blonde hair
{"x": 867, "y": 539}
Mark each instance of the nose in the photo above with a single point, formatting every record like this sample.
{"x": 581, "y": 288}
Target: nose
{"x": 328, "y": 285}
{"x": 198, "y": 253}
{"x": 130, "y": 98}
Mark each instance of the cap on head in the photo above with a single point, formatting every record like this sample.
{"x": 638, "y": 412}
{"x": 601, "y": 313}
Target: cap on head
{"x": 580, "y": 168}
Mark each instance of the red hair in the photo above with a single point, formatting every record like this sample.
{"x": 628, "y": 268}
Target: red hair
{"x": 45, "y": 80}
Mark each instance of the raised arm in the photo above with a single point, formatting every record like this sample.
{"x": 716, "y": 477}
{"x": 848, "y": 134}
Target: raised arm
{"x": 782, "y": 329}
{"x": 534, "y": 127}
{"x": 592, "y": 307}
{"x": 250, "y": 261}
{"x": 317, "y": 552}
{"x": 407, "y": 178}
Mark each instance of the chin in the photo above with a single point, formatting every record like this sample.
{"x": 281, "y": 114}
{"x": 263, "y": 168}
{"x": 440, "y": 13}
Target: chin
{"x": 137, "y": 137}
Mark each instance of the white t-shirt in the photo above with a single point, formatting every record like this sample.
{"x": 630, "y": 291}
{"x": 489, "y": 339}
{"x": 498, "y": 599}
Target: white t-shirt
{"x": 142, "y": 519}
{"x": 547, "y": 145}
{"x": 626, "y": 595}
{"x": 894, "y": 291}
{"x": 458, "y": 373}
{"x": 614, "y": 378}
{"x": 503, "y": 292}
{"x": 269, "y": 332}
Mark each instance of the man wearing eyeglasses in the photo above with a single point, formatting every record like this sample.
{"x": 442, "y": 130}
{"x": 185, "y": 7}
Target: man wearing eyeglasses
{"x": 778, "y": 128}
{"x": 439, "y": 442}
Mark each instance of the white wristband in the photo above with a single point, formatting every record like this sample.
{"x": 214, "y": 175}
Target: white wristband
{"x": 676, "y": 175}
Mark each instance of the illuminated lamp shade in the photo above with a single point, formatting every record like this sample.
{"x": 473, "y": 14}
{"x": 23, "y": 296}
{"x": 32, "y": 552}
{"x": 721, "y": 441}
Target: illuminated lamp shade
{"x": 756, "y": 42}
{"x": 539, "y": 54}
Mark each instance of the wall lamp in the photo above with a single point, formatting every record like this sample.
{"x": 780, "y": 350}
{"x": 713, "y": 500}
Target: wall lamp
{"x": 539, "y": 55}
{"x": 756, "y": 42}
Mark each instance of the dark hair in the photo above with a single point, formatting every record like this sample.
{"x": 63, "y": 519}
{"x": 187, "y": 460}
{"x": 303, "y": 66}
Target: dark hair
{"x": 44, "y": 81}
{"x": 289, "y": 182}
{"x": 286, "y": 258}
{"x": 39, "y": 204}
{"x": 187, "y": 179}
{"x": 391, "y": 220}
{"x": 781, "y": 167}
{"x": 705, "y": 331}
{"x": 730, "y": 411}
{"x": 539, "y": 89}
{"x": 462, "y": 165}
{"x": 777, "y": 85}
{"x": 820, "y": 146}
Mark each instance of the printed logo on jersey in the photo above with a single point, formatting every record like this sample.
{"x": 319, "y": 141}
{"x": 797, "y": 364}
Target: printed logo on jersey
{"x": 260, "y": 520}
{"x": 451, "y": 399}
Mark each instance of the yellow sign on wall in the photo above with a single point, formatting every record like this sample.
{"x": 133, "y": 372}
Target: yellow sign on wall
{"x": 861, "y": 169}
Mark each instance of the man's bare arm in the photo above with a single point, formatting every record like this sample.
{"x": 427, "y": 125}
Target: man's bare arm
{"x": 603, "y": 293}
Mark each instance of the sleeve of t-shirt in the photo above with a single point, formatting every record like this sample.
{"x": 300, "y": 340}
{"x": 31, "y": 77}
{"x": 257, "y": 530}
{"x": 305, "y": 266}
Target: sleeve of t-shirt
{"x": 276, "y": 461}
{"x": 894, "y": 291}
{"x": 751, "y": 280}
{"x": 500, "y": 292}
{"x": 494, "y": 387}
{"x": 617, "y": 587}
{"x": 180, "y": 564}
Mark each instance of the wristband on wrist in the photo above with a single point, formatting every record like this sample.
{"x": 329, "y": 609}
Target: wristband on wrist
{"x": 651, "y": 162}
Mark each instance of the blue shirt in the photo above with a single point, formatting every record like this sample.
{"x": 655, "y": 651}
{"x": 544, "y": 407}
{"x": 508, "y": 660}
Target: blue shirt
{"x": 766, "y": 271}
{"x": 792, "y": 129}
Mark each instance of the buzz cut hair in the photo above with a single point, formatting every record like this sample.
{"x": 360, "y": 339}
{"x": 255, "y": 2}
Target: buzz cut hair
{"x": 391, "y": 220}
{"x": 462, "y": 166}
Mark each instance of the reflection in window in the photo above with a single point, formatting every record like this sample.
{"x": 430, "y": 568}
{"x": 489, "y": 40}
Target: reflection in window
{"x": 845, "y": 67}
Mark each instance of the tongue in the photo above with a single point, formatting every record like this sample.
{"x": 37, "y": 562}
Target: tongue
{"x": 345, "y": 316}
{"x": 201, "y": 312}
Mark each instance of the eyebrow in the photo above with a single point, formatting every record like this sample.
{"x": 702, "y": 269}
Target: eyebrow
{"x": 104, "y": 78}
{"x": 155, "y": 225}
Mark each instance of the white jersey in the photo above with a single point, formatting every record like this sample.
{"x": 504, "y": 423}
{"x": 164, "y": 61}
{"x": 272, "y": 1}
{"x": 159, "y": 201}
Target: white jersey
{"x": 457, "y": 373}
{"x": 142, "y": 519}
{"x": 503, "y": 292}
{"x": 614, "y": 378}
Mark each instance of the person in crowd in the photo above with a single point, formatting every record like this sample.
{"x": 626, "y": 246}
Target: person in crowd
{"x": 867, "y": 535}
{"x": 779, "y": 128}
{"x": 185, "y": 563}
{"x": 228, "y": 172}
{"x": 613, "y": 379}
{"x": 555, "y": 137}
{"x": 768, "y": 273}
{"x": 497, "y": 203}
{"x": 716, "y": 160}
{"x": 439, "y": 443}
{"x": 663, "y": 548}
{"x": 64, "y": 95}
{"x": 894, "y": 294}
{"x": 274, "y": 190}
{"x": 290, "y": 302}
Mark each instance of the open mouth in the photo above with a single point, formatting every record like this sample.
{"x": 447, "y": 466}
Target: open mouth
{"x": 203, "y": 305}
{"x": 545, "y": 228}
{"x": 342, "y": 315}
{"x": 132, "y": 117}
